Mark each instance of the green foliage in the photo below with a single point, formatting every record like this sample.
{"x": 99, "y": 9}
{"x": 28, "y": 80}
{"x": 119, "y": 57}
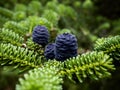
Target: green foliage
{"x": 34, "y": 8}
{"x": 64, "y": 31}
{"x": 116, "y": 27}
{"x": 7, "y": 77}
{"x": 92, "y": 65}
{"x": 16, "y": 27}
{"x": 18, "y": 57}
{"x": 18, "y": 53}
{"x": 66, "y": 11}
{"x": 51, "y": 16}
{"x": 8, "y": 36}
{"x": 19, "y": 15}
{"x": 20, "y": 7}
{"x": 52, "y": 5}
{"x": 110, "y": 45}
{"x": 6, "y": 13}
{"x": 105, "y": 25}
{"x": 88, "y": 4}
{"x": 32, "y": 21}
{"x": 41, "y": 79}
{"x": 35, "y": 47}
{"x": 3, "y": 20}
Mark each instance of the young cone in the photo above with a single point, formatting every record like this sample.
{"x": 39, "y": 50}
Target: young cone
{"x": 40, "y": 35}
{"x": 65, "y": 46}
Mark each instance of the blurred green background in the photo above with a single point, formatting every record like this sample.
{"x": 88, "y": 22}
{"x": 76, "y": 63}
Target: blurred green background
{"x": 87, "y": 19}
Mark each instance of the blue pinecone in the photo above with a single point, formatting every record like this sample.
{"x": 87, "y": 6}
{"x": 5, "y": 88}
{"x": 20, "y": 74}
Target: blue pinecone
{"x": 65, "y": 46}
{"x": 49, "y": 51}
{"x": 40, "y": 35}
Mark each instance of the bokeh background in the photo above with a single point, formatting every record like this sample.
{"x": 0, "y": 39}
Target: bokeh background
{"x": 87, "y": 19}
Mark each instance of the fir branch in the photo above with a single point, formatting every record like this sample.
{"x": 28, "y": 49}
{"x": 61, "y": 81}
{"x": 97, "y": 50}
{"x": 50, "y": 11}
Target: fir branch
{"x": 8, "y": 36}
{"x": 16, "y": 27}
{"x": 30, "y": 45}
{"x": 18, "y": 57}
{"x": 54, "y": 63}
{"x": 45, "y": 78}
{"x": 33, "y": 46}
{"x": 93, "y": 65}
{"x": 110, "y": 46}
